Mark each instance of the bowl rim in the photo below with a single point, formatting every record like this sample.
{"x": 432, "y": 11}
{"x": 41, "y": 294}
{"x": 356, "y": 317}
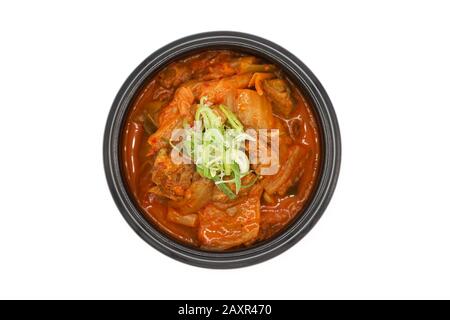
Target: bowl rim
{"x": 330, "y": 145}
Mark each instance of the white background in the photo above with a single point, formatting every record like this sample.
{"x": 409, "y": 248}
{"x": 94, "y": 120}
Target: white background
{"x": 386, "y": 67}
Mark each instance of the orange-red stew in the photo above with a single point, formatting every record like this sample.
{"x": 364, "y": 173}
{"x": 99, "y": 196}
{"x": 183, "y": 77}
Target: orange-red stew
{"x": 183, "y": 203}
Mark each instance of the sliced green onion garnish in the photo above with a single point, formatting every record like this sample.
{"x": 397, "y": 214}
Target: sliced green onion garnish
{"x": 241, "y": 159}
{"x": 225, "y": 189}
{"x": 237, "y": 176}
{"x": 216, "y": 149}
{"x": 232, "y": 119}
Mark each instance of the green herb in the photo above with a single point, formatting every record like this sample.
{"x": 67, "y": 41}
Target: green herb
{"x": 224, "y": 188}
{"x": 215, "y": 146}
{"x": 232, "y": 119}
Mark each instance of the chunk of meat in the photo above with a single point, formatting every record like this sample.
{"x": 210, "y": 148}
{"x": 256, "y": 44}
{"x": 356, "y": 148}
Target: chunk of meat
{"x": 171, "y": 117}
{"x": 217, "y": 90}
{"x": 274, "y": 217}
{"x": 196, "y": 196}
{"x": 209, "y": 66}
{"x": 221, "y": 66}
{"x": 271, "y": 156}
{"x": 236, "y": 225}
{"x": 292, "y": 167}
{"x": 253, "y": 110}
{"x": 257, "y": 80}
{"x": 279, "y": 93}
{"x": 188, "y": 220}
{"x": 175, "y": 74}
{"x": 172, "y": 180}
{"x": 178, "y": 72}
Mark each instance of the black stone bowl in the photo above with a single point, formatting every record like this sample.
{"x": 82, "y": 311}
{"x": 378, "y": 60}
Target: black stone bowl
{"x": 329, "y": 135}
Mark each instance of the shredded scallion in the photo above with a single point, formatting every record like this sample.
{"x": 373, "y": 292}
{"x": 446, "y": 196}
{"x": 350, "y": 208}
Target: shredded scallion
{"x": 217, "y": 147}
